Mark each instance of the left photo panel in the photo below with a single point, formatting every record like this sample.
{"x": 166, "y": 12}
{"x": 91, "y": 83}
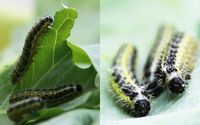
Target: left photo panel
{"x": 49, "y": 62}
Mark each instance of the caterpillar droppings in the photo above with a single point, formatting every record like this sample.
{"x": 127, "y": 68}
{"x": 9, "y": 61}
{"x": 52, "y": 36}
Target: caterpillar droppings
{"x": 124, "y": 84}
{"x": 29, "y": 49}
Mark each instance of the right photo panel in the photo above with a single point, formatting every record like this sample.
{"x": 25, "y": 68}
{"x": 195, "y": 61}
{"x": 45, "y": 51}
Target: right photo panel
{"x": 150, "y": 62}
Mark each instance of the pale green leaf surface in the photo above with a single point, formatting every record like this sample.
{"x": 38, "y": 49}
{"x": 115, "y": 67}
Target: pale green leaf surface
{"x": 75, "y": 117}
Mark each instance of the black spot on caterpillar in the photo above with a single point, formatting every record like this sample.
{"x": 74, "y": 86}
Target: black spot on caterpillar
{"x": 31, "y": 42}
{"x": 179, "y": 62}
{"x": 124, "y": 84}
{"x": 51, "y": 97}
{"x": 154, "y": 77}
{"x": 19, "y": 110}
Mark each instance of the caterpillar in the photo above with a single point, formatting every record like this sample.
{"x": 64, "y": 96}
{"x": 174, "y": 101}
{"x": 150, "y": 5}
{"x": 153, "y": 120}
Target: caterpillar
{"x": 124, "y": 84}
{"x": 29, "y": 49}
{"x": 51, "y": 97}
{"x": 19, "y": 110}
{"x": 179, "y": 62}
{"x": 154, "y": 76}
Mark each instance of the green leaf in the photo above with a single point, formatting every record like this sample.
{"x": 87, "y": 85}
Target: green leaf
{"x": 80, "y": 57}
{"x": 53, "y": 66}
{"x": 83, "y": 54}
{"x": 93, "y": 52}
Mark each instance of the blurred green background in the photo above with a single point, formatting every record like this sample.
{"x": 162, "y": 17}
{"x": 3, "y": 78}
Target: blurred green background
{"x": 137, "y": 21}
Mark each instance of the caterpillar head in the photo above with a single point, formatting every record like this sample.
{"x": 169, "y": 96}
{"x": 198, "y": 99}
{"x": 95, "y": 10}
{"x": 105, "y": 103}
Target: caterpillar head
{"x": 177, "y": 85}
{"x": 48, "y": 19}
{"x": 142, "y": 108}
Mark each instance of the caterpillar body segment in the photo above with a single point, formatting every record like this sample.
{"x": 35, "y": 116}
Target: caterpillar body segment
{"x": 124, "y": 84}
{"x": 154, "y": 76}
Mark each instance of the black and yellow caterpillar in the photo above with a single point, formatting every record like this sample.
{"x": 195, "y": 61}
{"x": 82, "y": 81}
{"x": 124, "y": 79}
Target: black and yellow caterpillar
{"x": 29, "y": 49}
{"x": 169, "y": 66}
{"x": 30, "y": 101}
{"x": 154, "y": 77}
{"x": 179, "y": 62}
{"x": 124, "y": 84}
{"x": 170, "y": 63}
